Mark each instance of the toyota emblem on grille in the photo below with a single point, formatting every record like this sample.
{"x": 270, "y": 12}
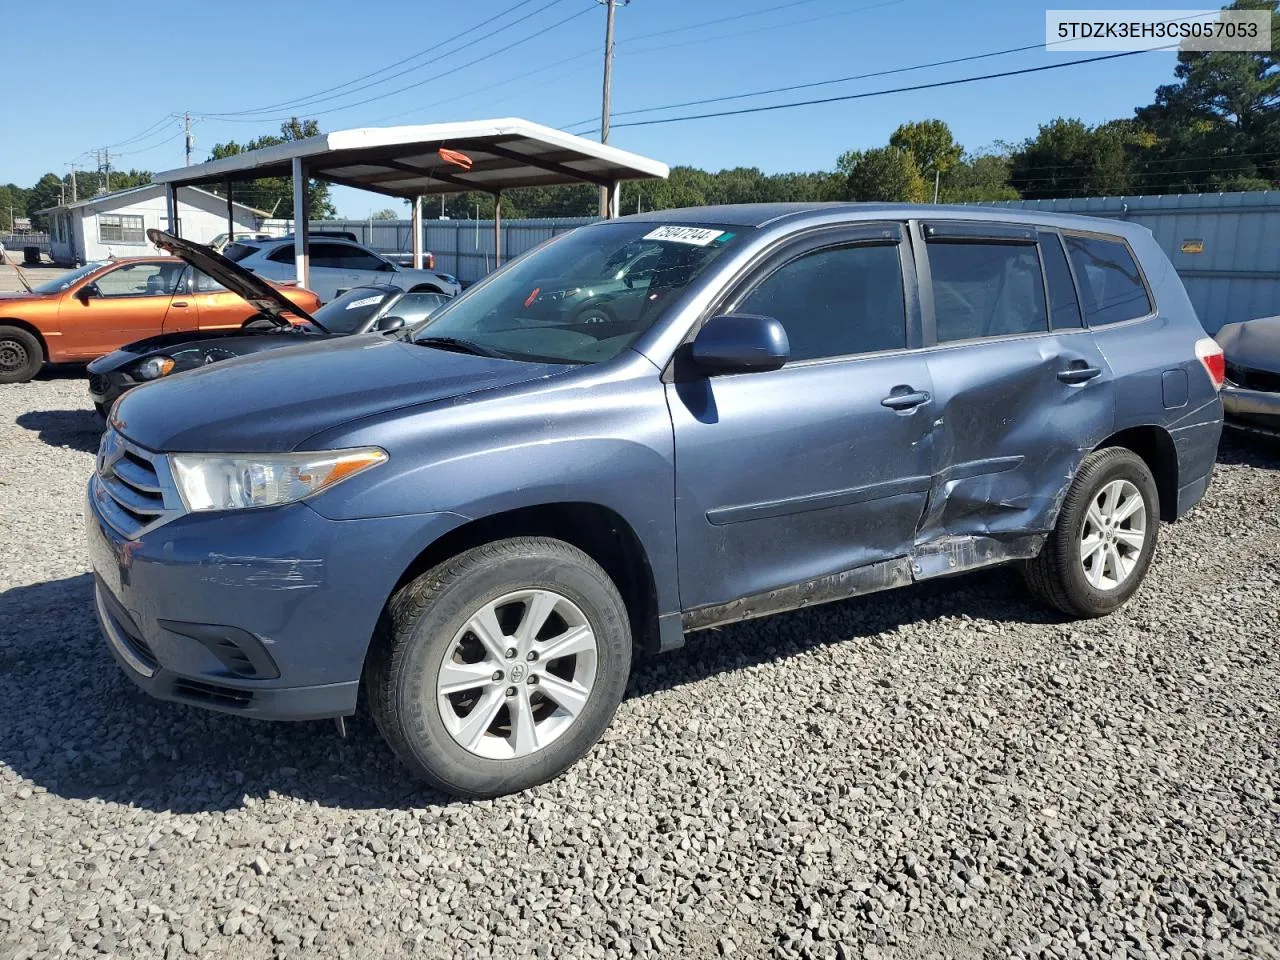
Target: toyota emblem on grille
{"x": 109, "y": 453}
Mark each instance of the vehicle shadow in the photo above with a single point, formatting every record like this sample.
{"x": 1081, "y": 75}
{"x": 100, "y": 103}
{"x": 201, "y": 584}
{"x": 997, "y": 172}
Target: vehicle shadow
{"x": 73, "y": 724}
{"x": 77, "y": 429}
{"x": 62, "y": 371}
{"x": 1248, "y": 450}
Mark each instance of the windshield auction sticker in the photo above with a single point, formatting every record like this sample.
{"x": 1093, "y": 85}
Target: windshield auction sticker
{"x": 1069, "y": 31}
{"x": 695, "y": 236}
{"x": 363, "y": 302}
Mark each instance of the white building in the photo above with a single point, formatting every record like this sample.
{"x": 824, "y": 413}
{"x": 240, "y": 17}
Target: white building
{"x": 116, "y": 224}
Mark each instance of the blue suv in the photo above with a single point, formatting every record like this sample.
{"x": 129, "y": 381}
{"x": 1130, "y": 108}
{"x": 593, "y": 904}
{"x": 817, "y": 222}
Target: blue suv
{"x": 645, "y": 427}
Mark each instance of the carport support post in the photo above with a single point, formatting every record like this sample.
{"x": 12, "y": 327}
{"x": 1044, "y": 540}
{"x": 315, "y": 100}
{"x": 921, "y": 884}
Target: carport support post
{"x": 614, "y": 196}
{"x": 301, "y": 225}
{"x": 171, "y": 203}
{"x": 231, "y": 214}
{"x": 497, "y": 230}
{"x": 417, "y": 233}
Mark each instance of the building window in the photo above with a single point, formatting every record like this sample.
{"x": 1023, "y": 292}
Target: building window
{"x": 120, "y": 228}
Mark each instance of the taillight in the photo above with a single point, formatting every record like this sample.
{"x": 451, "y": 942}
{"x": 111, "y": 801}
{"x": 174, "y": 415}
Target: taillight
{"x": 431, "y": 261}
{"x": 1213, "y": 360}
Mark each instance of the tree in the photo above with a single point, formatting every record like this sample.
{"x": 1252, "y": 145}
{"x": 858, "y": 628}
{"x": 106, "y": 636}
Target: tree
{"x": 13, "y": 203}
{"x": 47, "y": 192}
{"x": 275, "y": 194}
{"x": 883, "y": 173}
{"x": 931, "y": 144}
{"x": 979, "y": 177}
{"x": 386, "y": 213}
{"x": 1067, "y": 158}
{"x": 1219, "y": 123}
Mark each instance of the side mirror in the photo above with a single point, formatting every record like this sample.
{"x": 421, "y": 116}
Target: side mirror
{"x": 389, "y": 324}
{"x": 87, "y": 293}
{"x": 739, "y": 343}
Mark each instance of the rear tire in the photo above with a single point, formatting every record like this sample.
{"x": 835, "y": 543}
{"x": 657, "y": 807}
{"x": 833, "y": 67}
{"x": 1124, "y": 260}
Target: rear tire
{"x": 21, "y": 355}
{"x": 1105, "y": 537}
{"x": 482, "y": 717}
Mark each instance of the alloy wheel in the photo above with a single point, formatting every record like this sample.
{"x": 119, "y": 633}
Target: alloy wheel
{"x": 1113, "y": 535}
{"x": 517, "y": 674}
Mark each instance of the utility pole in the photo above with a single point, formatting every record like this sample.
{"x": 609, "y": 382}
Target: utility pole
{"x": 937, "y": 179}
{"x": 186, "y": 126}
{"x": 610, "y": 6}
{"x": 74, "y": 194}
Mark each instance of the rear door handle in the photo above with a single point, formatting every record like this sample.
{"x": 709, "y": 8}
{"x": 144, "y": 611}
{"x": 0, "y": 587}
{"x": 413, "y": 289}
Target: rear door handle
{"x": 905, "y": 401}
{"x": 1081, "y": 373}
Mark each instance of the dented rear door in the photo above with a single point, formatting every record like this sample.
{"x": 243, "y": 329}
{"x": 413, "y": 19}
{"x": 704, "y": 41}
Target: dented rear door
{"x": 1022, "y": 393}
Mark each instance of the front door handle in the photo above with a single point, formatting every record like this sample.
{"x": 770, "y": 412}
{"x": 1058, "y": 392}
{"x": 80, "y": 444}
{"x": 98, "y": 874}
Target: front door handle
{"x": 1079, "y": 372}
{"x": 178, "y": 303}
{"x": 905, "y": 401}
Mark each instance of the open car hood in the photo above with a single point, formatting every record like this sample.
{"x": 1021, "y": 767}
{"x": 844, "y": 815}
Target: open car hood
{"x": 234, "y": 277}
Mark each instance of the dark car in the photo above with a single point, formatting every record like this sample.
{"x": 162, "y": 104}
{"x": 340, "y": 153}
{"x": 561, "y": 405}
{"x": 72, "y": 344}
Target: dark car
{"x": 481, "y": 521}
{"x": 597, "y": 295}
{"x": 379, "y": 308}
{"x": 1251, "y": 395}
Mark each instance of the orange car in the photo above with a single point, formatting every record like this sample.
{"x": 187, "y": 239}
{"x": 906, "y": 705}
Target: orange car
{"x": 93, "y": 310}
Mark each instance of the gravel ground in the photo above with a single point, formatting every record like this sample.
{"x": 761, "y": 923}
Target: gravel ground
{"x": 945, "y": 771}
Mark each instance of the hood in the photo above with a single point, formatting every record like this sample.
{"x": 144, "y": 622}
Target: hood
{"x": 1252, "y": 344}
{"x": 274, "y": 401}
{"x": 186, "y": 339}
{"x": 234, "y": 277}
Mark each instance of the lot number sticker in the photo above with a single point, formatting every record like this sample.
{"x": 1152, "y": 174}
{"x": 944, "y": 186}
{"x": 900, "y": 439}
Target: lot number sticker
{"x": 695, "y": 236}
{"x": 362, "y": 302}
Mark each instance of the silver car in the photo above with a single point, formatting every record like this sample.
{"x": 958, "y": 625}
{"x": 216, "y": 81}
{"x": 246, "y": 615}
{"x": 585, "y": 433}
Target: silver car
{"x": 336, "y": 266}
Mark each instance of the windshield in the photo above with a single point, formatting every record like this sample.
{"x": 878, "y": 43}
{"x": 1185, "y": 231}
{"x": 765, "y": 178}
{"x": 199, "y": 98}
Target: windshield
{"x": 58, "y": 284}
{"x": 349, "y": 312}
{"x": 583, "y": 298}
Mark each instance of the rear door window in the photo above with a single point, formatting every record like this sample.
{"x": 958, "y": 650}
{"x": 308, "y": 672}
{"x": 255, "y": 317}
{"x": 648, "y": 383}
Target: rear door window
{"x": 1064, "y": 307}
{"x": 1110, "y": 281}
{"x": 986, "y": 289}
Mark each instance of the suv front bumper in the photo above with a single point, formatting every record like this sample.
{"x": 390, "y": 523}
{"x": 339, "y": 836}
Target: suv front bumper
{"x": 267, "y": 613}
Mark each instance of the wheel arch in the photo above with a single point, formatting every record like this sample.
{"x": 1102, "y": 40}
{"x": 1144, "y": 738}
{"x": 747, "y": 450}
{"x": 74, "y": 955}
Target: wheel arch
{"x": 601, "y": 533}
{"x": 1154, "y": 444}
{"x": 29, "y": 328}
{"x": 425, "y": 288}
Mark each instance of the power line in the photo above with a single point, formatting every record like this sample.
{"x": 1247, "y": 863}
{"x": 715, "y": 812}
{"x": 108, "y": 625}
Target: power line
{"x": 143, "y": 135}
{"x": 880, "y": 93}
{"x": 505, "y": 81}
{"x": 304, "y": 103}
{"x": 816, "y": 83}
{"x": 390, "y": 66}
{"x": 723, "y": 20}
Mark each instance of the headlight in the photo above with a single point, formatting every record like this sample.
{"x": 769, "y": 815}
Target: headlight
{"x": 223, "y": 482}
{"x": 153, "y": 368}
{"x": 448, "y": 278}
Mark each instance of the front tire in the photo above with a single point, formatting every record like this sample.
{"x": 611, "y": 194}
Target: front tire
{"x": 500, "y": 667}
{"x": 1105, "y": 537}
{"x": 21, "y": 355}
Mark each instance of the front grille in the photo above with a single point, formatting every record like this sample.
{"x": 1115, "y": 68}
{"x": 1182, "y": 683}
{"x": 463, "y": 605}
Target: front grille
{"x": 135, "y": 490}
{"x": 1253, "y": 379}
{"x": 211, "y": 693}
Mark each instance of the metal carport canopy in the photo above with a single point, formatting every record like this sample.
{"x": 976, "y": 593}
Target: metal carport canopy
{"x": 406, "y": 162}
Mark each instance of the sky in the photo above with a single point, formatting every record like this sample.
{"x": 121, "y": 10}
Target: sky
{"x": 117, "y": 76}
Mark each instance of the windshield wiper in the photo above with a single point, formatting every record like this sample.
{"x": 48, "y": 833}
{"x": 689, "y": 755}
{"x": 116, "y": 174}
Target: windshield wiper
{"x": 459, "y": 345}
